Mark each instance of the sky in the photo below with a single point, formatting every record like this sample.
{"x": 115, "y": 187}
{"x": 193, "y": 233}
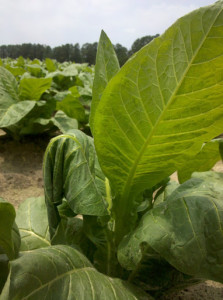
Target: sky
{"x": 57, "y": 22}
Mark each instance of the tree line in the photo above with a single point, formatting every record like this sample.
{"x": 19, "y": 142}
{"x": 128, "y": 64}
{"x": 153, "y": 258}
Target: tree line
{"x": 70, "y": 52}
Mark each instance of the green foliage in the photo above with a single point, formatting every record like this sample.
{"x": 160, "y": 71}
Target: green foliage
{"x": 9, "y": 235}
{"x": 106, "y": 67}
{"x": 149, "y": 119}
{"x": 31, "y": 219}
{"x": 112, "y": 210}
{"x": 31, "y": 92}
{"x": 33, "y": 88}
{"x": 203, "y": 160}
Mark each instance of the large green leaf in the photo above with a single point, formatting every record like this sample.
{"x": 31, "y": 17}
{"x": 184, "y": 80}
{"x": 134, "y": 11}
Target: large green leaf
{"x": 12, "y": 113}
{"x": 106, "y": 67}
{"x": 36, "y": 121}
{"x": 163, "y": 104}
{"x": 69, "y": 171}
{"x": 32, "y": 221}
{"x": 63, "y": 273}
{"x": 35, "y": 70}
{"x": 33, "y": 88}
{"x": 185, "y": 229}
{"x": 11, "y": 110}
{"x": 8, "y": 84}
{"x": 16, "y": 71}
{"x": 203, "y": 161}
{"x": 50, "y": 65}
{"x": 72, "y": 107}
{"x": 9, "y": 235}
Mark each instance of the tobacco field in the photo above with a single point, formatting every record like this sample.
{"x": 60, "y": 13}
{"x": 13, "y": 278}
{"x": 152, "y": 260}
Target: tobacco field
{"x": 127, "y": 164}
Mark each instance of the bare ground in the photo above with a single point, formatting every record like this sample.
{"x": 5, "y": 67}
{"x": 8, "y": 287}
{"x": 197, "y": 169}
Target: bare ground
{"x": 21, "y": 178}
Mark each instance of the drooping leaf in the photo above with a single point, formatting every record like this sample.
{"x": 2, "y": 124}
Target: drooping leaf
{"x": 158, "y": 277}
{"x": 63, "y": 273}
{"x": 106, "y": 67}
{"x": 185, "y": 229}
{"x": 69, "y": 172}
{"x": 163, "y": 104}
{"x": 32, "y": 221}
{"x": 203, "y": 161}
{"x": 9, "y": 235}
{"x": 33, "y": 88}
{"x": 69, "y": 232}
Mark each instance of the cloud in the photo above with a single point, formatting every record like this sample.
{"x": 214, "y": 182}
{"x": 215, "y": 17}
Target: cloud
{"x": 56, "y": 22}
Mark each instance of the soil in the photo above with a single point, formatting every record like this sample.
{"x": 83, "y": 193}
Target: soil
{"x": 21, "y": 178}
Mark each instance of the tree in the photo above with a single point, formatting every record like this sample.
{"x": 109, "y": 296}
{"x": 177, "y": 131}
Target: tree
{"x": 88, "y": 52}
{"x": 76, "y": 54}
{"x": 122, "y": 53}
{"x": 139, "y": 43}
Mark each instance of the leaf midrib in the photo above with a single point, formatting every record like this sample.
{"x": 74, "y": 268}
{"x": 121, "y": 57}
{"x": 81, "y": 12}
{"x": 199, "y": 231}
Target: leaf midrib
{"x": 32, "y": 233}
{"x": 128, "y": 184}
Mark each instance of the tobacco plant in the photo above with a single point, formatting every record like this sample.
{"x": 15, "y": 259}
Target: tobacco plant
{"x": 112, "y": 225}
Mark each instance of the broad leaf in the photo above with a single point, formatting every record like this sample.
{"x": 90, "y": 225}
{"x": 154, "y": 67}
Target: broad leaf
{"x": 32, "y": 123}
{"x": 72, "y": 108}
{"x": 70, "y": 71}
{"x": 69, "y": 232}
{"x": 11, "y": 110}
{"x": 11, "y": 113}
{"x": 16, "y": 71}
{"x": 35, "y": 70}
{"x": 106, "y": 67}
{"x": 185, "y": 229}
{"x": 69, "y": 172}
{"x": 63, "y": 273}
{"x": 32, "y": 221}
{"x": 8, "y": 85}
{"x": 165, "y": 102}
{"x": 50, "y": 65}
{"x": 33, "y": 88}
{"x": 203, "y": 161}
{"x": 64, "y": 123}
{"x": 9, "y": 235}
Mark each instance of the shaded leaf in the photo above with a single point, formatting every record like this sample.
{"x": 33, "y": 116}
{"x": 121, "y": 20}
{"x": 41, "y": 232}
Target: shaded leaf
{"x": 9, "y": 235}
{"x": 203, "y": 161}
{"x": 185, "y": 229}
{"x": 33, "y": 225}
{"x": 63, "y": 273}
